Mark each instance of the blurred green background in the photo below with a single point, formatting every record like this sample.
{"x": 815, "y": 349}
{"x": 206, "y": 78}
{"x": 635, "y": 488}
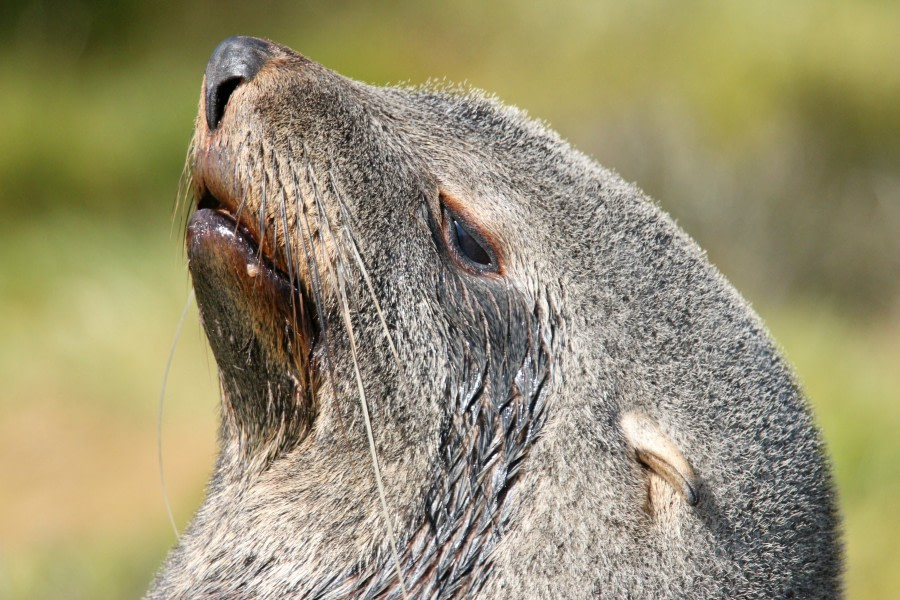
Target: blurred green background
{"x": 769, "y": 129}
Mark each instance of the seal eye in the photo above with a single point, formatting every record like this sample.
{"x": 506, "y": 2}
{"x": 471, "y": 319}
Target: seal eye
{"x": 467, "y": 246}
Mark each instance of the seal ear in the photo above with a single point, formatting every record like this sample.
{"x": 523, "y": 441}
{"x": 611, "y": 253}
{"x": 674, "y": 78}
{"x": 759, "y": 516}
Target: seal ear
{"x": 657, "y": 452}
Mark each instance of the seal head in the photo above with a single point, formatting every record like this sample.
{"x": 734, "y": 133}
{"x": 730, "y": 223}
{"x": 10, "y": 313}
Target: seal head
{"x": 459, "y": 358}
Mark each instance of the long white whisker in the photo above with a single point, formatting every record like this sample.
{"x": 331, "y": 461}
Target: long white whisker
{"x": 345, "y": 312}
{"x": 159, "y": 415}
{"x": 345, "y": 220}
{"x": 373, "y": 452}
{"x": 313, "y": 271}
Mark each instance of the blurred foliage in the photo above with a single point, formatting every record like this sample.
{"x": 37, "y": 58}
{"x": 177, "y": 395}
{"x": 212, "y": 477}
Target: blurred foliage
{"x": 770, "y": 130}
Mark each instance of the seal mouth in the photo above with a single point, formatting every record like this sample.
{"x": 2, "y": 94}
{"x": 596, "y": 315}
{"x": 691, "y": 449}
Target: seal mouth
{"x": 247, "y": 231}
{"x": 227, "y": 252}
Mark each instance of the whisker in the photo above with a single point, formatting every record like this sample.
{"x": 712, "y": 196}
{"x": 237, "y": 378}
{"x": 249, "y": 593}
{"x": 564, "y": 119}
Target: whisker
{"x": 240, "y": 209}
{"x": 185, "y": 182}
{"x": 288, "y": 259}
{"x": 297, "y": 305}
{"x": 242, "y": 182}
{"x": 159, "y": 415}
{"x": 275, "y": 237}
{"x": 287, "y": 245}
{"x": 354, "y": 353}
{"x": 184, "y": 195}
{"x": 351, "y": 242}
{"x": 262, "y": 213}
{"x": 312, "y": 268}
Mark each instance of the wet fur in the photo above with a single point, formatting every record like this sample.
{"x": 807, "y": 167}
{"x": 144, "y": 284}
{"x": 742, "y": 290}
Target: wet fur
{"x": 494, "y": 402}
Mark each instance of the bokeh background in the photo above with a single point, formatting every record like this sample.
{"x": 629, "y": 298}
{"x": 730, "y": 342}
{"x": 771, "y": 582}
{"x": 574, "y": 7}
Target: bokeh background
{"x": 769, "y": 129}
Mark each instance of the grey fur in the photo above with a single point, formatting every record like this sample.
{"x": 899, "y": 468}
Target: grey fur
{"x": 498, "y": 432}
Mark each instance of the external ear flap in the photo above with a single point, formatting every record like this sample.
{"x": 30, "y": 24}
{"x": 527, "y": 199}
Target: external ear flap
{"x": 656, "y": 451}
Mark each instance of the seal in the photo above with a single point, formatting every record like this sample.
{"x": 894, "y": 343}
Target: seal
{"x": 458, "y": 358}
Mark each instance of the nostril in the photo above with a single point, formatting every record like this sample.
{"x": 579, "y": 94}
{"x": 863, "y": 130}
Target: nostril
{"x": 220, "y": 98}
{"x": 235, "y": 61}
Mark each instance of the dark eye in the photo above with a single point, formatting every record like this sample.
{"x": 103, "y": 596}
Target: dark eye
{"x": 467, "y": 246}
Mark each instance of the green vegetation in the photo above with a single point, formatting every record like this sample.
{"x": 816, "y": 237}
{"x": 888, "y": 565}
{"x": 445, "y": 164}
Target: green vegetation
{"x": 771, "y": 130}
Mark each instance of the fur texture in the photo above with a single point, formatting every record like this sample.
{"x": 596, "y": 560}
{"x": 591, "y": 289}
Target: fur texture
{"x": 495, "y": 399}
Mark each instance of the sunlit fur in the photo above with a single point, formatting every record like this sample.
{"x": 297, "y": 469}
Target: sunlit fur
{"x": 494, "y": 401}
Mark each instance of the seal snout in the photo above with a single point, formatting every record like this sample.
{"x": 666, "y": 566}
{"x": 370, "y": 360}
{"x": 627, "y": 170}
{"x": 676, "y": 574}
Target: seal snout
{"x": 235, "y": 61}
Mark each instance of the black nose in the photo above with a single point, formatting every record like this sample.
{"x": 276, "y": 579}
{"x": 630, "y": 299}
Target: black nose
{"x": 235, "y": 61}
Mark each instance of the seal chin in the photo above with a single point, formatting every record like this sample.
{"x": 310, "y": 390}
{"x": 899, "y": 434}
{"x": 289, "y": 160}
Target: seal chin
{"x": 255, "y": 317}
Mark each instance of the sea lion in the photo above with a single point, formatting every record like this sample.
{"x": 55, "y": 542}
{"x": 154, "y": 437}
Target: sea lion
{"x": 458, "y": 358}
